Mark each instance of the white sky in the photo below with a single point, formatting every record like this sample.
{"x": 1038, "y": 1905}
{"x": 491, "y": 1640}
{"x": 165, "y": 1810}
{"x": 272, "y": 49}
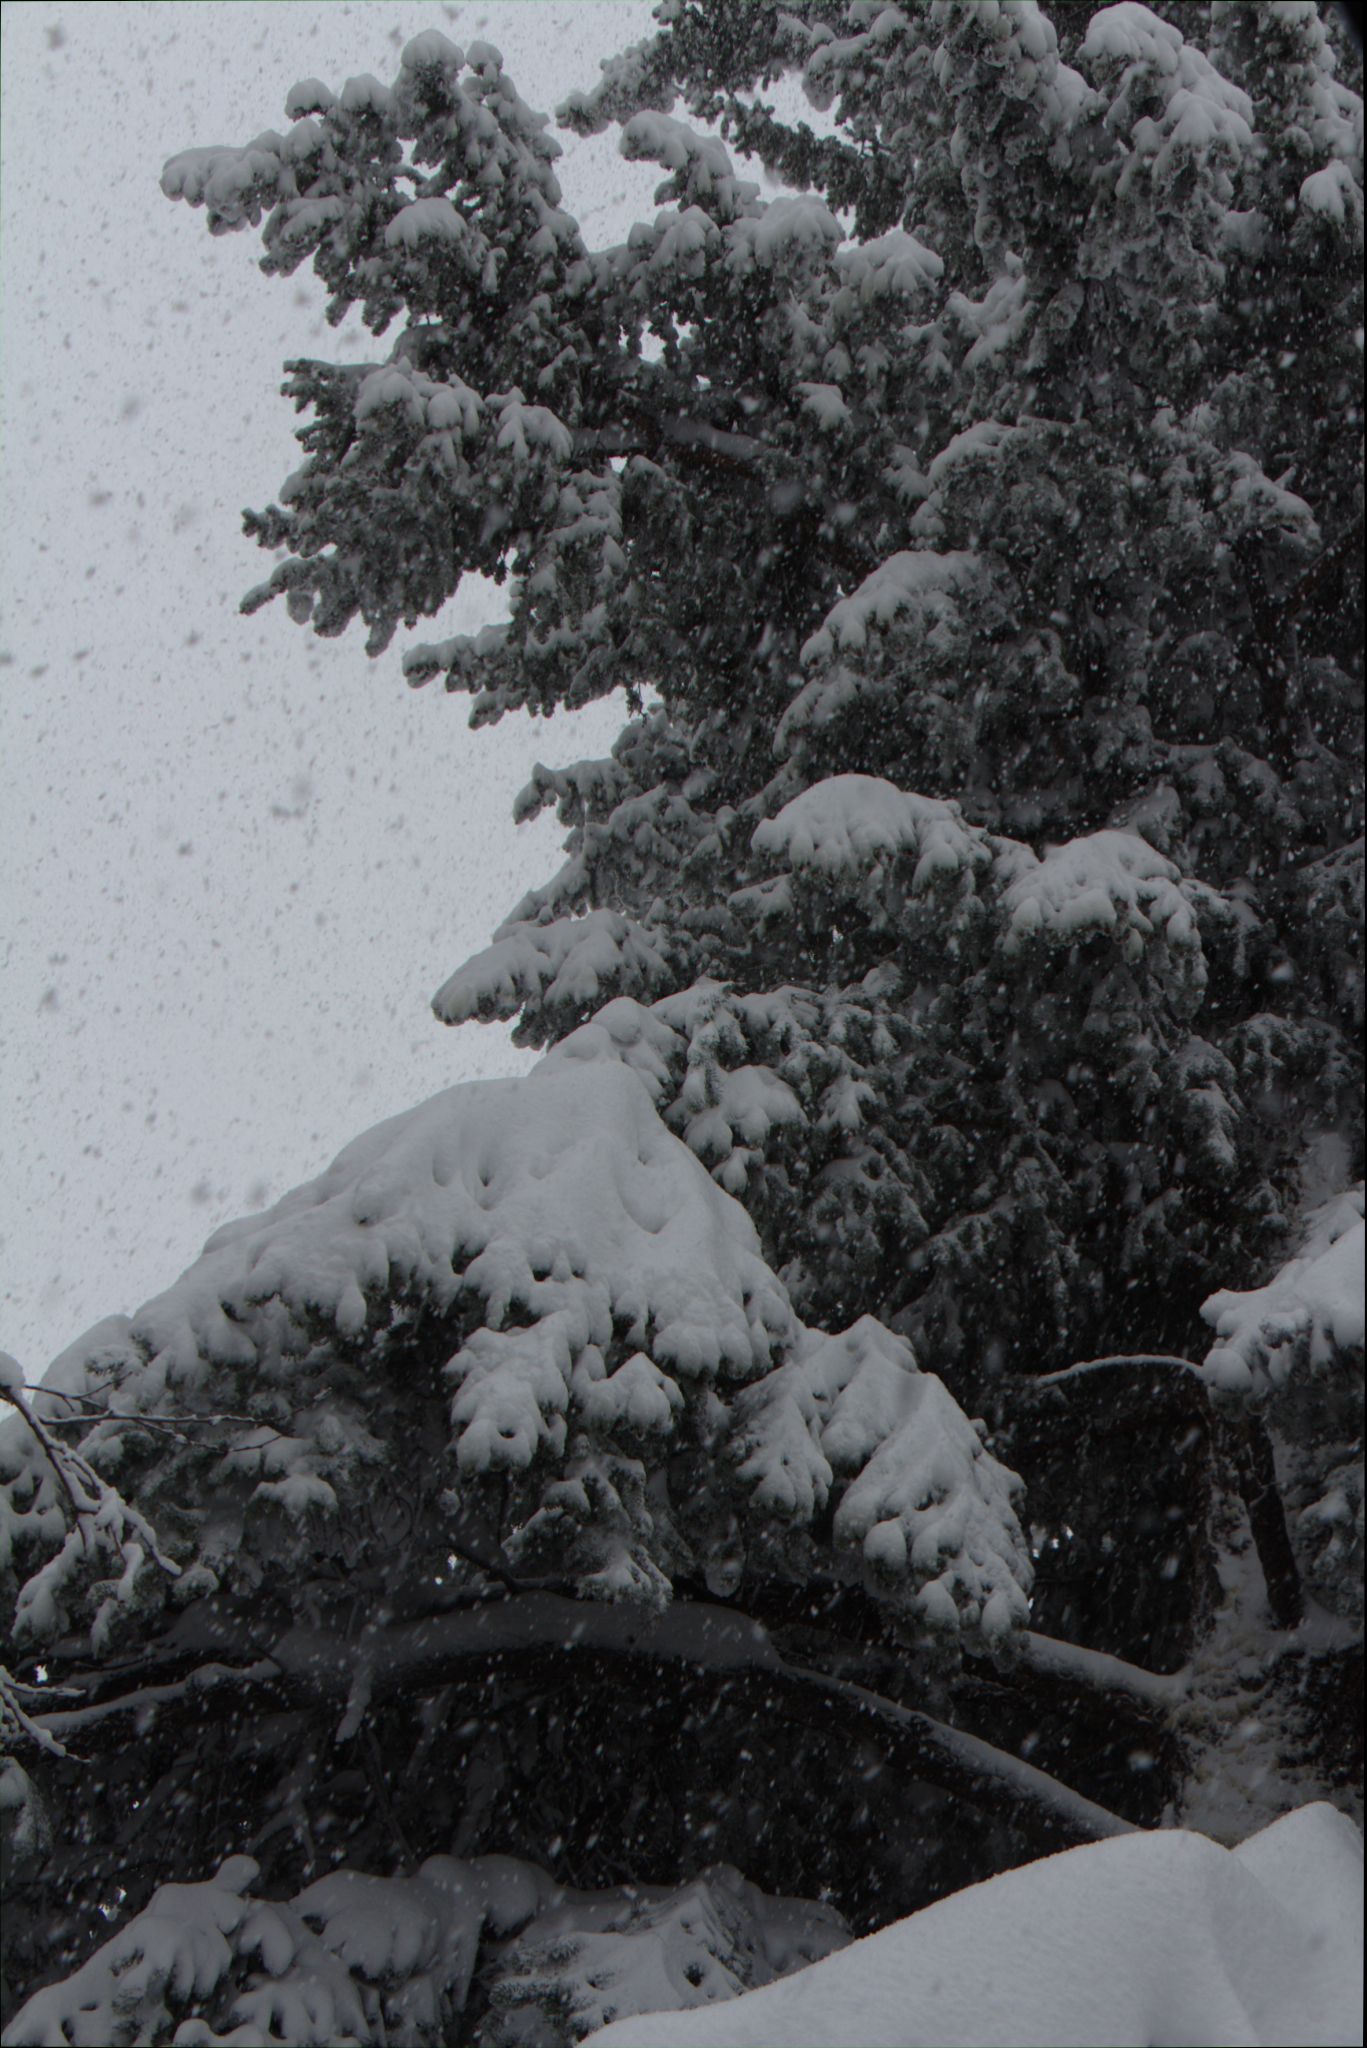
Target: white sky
{"x": 234, "y": 860}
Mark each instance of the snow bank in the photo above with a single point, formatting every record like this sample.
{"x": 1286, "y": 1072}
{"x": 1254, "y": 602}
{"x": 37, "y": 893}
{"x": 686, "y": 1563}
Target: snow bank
{"x": 1162, "y": 1937}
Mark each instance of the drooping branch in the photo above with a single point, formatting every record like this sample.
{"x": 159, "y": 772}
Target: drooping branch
{"x": 532, "y": 1633}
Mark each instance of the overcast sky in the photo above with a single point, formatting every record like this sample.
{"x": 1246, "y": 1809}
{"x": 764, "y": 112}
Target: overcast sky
{"x": 234, "y": 861}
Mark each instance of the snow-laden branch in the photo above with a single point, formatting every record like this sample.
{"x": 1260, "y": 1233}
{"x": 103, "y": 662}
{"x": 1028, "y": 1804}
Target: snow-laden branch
{"x": 1098, "y": 1671}
{"x": 101, "y": 1525}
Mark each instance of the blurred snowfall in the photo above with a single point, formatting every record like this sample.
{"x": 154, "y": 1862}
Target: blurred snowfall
{"x": 234, "y": 860}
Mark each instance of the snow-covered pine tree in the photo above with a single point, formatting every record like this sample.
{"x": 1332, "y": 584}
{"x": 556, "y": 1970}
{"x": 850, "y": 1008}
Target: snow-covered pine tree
{"x": 949, "y": 989}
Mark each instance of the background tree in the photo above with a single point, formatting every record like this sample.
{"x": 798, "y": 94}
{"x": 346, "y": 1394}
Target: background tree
{"x": 949, "y": 980}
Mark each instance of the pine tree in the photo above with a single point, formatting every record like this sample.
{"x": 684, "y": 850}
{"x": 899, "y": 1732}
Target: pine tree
{"x": 949, "y": 997}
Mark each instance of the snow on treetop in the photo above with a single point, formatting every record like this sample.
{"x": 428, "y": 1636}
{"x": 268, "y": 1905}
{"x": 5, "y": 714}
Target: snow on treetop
{"x": 432, "y": 51}
{"x": 854, "y": 821}
{"x": 1129, "y": 33}
{"x": 309, "y": 96}
{"x": 906, "y": 582}
{"x": 1307, "y": 1317}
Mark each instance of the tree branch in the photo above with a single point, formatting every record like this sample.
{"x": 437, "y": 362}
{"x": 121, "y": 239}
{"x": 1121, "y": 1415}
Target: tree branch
{"x": 538, "y": 1629}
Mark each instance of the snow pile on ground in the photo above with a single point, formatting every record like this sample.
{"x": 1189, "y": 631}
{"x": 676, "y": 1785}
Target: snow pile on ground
{"x": 1148, "y": 1938}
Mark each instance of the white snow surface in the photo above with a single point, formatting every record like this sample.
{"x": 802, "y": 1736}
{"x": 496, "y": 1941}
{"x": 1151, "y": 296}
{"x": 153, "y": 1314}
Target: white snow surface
{"x": 1307, "y": 1315}
{"x": 1147, "y": 1939}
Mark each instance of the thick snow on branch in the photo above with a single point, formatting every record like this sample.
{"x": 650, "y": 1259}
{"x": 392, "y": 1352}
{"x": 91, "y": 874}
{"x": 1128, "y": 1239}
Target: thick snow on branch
{"x": 1306, "y": 1320}
{"x": 853, "y": 828}
{"x": 606, "y": 1302}
{"x": 52, "y": 1494}
{"x": 912, "y": 583}
{"x": 1144, "y": 60}
{"x": 854, "y": 821}
{"x": 355, "y": 1958}
{"x": 573, "y": 963}
{"x": 924, "y": 1491}
{"x": 1111, "y": 882}
{"x": 1159, "y": 1937}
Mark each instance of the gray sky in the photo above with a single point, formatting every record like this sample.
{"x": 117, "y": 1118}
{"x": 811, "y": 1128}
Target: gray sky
{"x": 234, "y": 860}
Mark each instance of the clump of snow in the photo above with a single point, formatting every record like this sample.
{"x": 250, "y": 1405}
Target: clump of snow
{"x": 894, "y": 263}
{"x": 854, "y": 821}
{"x": 911, "y": 582}
{"x": 356, "y": 1958}
{"x": 432, "y": 219}
{"x": 1110, "y": 881}
{"x": 1334, "y": 193}
{"x": 1140, "y": 56}
{"x": 857, "y": 829}
{"x": 577, "y": 962}
{"x": 233, "y": 185}
{"x": 1145, "y": 1938}
{"x": 1305, "y": 1319}
{"x": 787, "y": 235}
{"x": 925, "y": 1509}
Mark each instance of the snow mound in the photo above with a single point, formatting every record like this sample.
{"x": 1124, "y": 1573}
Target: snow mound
{"x": 1161, "y": 1937}
{"x": 560, "y": 1195}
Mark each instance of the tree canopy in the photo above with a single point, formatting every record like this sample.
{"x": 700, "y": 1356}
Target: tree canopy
{"x": 882, "y": 1398}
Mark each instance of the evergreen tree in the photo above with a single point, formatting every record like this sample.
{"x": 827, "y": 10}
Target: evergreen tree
{"x": 949, "y": 997}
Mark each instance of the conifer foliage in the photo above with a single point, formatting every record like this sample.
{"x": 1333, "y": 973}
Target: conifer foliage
{"x": 725, "y": 1450}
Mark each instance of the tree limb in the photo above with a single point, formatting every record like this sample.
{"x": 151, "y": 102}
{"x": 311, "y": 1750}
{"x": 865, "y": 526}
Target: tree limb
{"x": 540, "y": 1628}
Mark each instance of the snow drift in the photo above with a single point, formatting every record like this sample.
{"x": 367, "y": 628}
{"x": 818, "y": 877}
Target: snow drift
{"x": 1163, "y": 1938}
